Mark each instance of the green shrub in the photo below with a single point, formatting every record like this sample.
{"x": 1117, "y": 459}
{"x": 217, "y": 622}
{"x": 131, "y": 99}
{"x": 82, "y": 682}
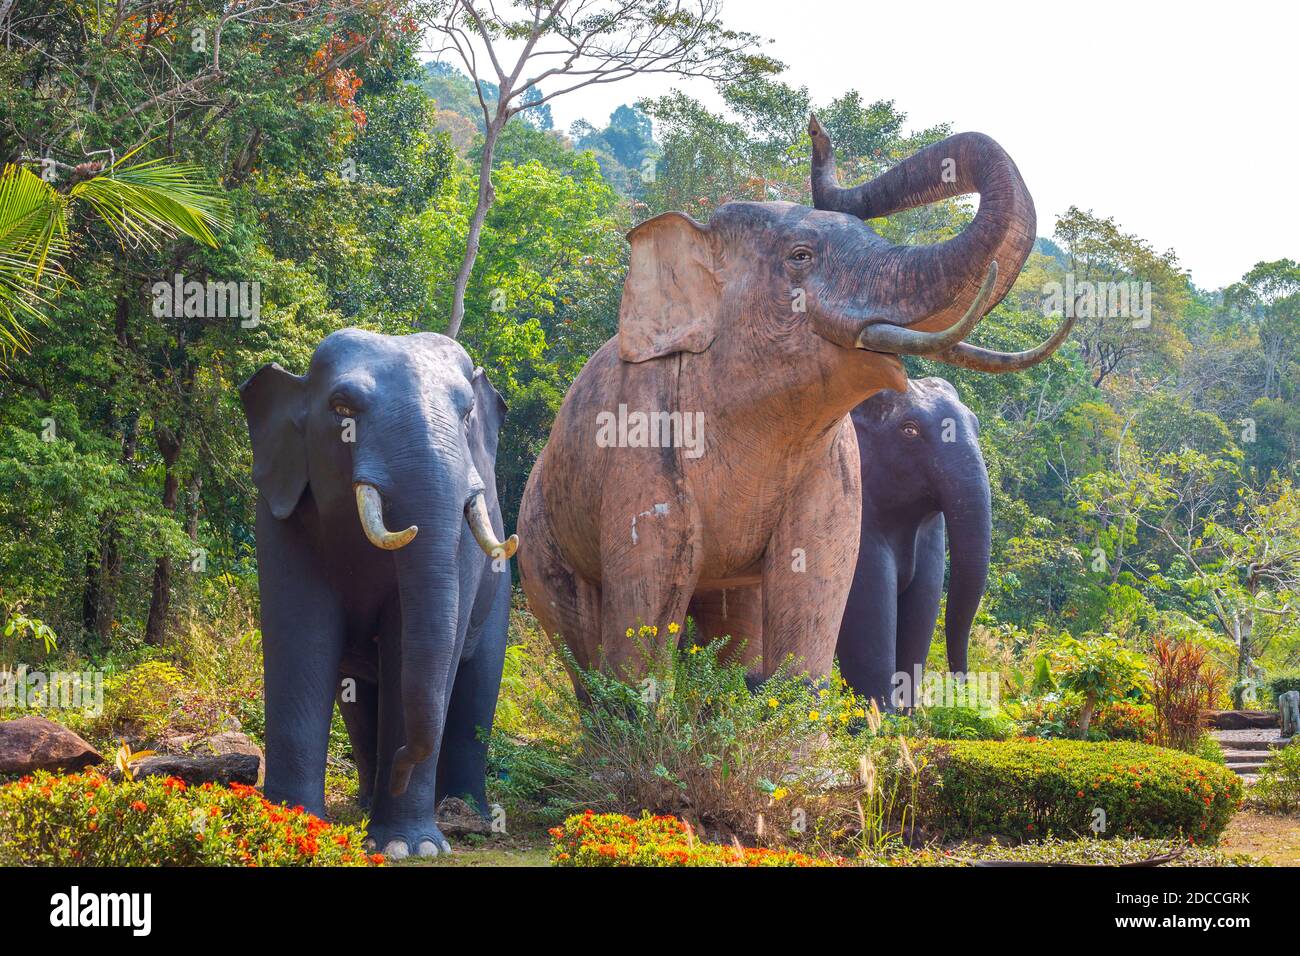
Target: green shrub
{"x": 1278, "y": 788}
{"x": 1283, "y": 683}
{"x": 84, "y": 820}
{"x": 1025, "y": 789}
{"x": 1052, "y": 717}
{"x": 692, "y": 737}
{"x": 962, "y": 723}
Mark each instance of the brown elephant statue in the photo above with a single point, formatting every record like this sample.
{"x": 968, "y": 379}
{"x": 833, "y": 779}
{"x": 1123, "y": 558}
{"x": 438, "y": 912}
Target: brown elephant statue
{"x": 703, "y": 460}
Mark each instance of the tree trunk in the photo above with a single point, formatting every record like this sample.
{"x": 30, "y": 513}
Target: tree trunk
{"x": 1085, "y": 715}
{"x": 486, "y": 196}
{"x": 169, "y": 446}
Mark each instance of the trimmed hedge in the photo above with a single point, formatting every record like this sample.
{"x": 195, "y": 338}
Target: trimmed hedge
{"x": 1028, "y": 789}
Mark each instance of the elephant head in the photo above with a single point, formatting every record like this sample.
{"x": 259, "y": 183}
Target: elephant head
{"x": 809, "y": 291}
{"x": 921, "y": 454}
{"x": 381, "y": 433}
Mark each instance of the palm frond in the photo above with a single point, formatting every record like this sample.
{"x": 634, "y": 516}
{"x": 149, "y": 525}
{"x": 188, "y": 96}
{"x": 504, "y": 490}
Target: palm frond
{"x": 156, "y": 199}
{"x": 33, "y": 242}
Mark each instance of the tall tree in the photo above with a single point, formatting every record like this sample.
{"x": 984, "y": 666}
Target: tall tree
{"x": 569, "y": 45}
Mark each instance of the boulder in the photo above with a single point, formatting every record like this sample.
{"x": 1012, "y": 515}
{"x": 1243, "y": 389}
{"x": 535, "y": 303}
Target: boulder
{"x": 234, "y": 742}
{"x": 34, "y": 743}
{"x": 1243, "y": 719}
{"x": 223, "y": 769}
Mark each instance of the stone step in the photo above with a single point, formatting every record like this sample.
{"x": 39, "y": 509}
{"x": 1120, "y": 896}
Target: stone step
{"x": 1275, "y": 743}
{"x": 1245, "y": 759}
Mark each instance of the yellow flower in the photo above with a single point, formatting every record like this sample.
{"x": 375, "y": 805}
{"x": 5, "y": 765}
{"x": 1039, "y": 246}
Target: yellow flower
{"x": 772, "y": 702}
{"x": 859, "y": 712}
{"x": 814, "y": 715}
{"x": 629, "y": 632}
{"x": 779, "y": 792}
{"x": 695, "y": 648}
{"x": 673, "y": 628}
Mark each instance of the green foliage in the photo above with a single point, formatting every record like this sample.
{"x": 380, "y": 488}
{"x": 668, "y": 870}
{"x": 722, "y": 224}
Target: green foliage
{"x": 1278, "y": 788}
{"x": 1030, "y": 789}
{"x": 1100, "y": 669}
{"x": 84, "y": 820}
{"x": 962, "y": 723}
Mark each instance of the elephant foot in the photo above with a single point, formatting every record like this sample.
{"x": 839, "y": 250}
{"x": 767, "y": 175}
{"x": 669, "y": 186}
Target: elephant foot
{"x": 400, "y": 840}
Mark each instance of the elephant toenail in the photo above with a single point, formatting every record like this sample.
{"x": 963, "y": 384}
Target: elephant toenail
{"x": 427, "y": 848}
{"x": 397, "y": 850}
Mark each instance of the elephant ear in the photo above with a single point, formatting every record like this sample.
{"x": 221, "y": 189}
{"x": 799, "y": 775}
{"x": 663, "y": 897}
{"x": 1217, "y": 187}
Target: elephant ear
{"x": 670, "y": 297}
{"x": 489, "y": 409}
{"x": 274, "y": 404}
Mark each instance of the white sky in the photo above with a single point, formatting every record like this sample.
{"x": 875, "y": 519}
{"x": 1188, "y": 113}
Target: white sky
{"x": 1180, "y": 120}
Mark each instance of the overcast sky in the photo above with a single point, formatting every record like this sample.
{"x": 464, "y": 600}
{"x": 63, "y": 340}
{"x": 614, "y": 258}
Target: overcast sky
{"x": 1178, "y": 119}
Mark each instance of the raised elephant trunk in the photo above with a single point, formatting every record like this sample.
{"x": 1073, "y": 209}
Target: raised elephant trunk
{"x": 370, "y": 508}
{"x": 935, "y": 283}
{"x": 967, "y": 513}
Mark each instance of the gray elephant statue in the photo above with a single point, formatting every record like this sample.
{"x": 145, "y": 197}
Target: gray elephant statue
{"x": 405, "y": 629}
{"x": 922, "y": 475}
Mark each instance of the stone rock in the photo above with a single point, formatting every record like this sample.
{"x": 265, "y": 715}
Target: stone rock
{"x": 233, "y": 742}
{"x": 458, "y": 818}
{"x": 1243, "y": 719}
{"x": 34, "y": 743}
{"x": 223, "y": 769}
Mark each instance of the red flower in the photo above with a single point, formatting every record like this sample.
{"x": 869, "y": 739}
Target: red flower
{"x": 139, "y": 806}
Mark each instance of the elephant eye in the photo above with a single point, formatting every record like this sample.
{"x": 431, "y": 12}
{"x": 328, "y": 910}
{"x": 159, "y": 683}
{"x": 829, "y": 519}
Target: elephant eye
{"x": 801, "y": 255}
{"x": 343, "y": 411}
{"x": 910, "y": 429}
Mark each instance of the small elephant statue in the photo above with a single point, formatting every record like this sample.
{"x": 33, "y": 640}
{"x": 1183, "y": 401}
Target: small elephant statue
{"x": 405, "y": 629}
{"x": 1288, "y": 705}
{"x": 922, "y": 475}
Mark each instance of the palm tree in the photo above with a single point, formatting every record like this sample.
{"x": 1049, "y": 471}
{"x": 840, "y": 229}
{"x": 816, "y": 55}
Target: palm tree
{"x": 142, "y": 203}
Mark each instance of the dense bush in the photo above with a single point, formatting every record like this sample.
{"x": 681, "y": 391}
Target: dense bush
{"x": 691, "y": 737}
{"x": 1283, "y": 683}
{"x": 84, "y": 820}
{"x": 962, "y": 723}
{"x": 1185, "y": 685}
{"x": 611, "y": 839}
{"x": 1029, "y": 789}
{"x": 1278, "y": 788}
{"x": 1056, "y": 716}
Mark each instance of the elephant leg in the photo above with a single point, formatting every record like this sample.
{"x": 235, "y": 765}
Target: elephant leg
{"x": 564, "y": 603}
{"x": 868, "y": 641}
{"x": 358, "y": 701}
{"x": 462, "y": 761}
{"x": 303, "y": 634}
{"x": 406, "y": 824}
{"x": 648, "y": 553}
{"x": 809, "y": 563}
{"x": 918, "y": 605}
{"x": 736, "y": 613}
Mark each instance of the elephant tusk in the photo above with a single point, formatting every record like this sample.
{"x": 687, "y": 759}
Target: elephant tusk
{"x": 989, "y": 360}
{"x": 371, "y": 510}
{"x": 480, "y": 523}
{"x": 902, "y": 341}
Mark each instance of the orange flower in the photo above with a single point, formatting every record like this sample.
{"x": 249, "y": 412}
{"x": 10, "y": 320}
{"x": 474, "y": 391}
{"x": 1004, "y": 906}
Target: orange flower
{"x": 139, "y": 806}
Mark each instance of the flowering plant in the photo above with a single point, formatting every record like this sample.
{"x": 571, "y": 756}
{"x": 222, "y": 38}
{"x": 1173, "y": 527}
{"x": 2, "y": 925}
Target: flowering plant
{"x": 86, "y": 820}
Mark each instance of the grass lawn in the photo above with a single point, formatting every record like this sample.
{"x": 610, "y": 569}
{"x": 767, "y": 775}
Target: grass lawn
{"x": 1267, "y": 836}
